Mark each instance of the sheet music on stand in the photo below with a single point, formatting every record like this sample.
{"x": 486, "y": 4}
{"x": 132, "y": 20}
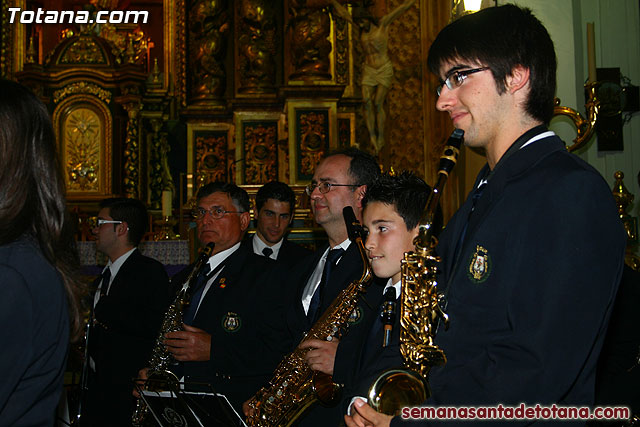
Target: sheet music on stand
{"x": 180, "y": 408}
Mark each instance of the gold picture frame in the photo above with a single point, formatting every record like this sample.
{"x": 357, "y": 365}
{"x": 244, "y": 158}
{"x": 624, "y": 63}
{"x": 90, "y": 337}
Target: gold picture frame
{"x": 312, "y": 134}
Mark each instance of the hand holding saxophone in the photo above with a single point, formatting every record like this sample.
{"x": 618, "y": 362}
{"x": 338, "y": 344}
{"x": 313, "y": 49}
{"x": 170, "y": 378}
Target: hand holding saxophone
{"x": 321, "y": 355}
{"x": 190, "y": 345}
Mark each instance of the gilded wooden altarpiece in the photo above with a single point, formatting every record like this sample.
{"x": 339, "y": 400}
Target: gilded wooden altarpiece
{"x": 83, "y": 130}
{"x": 220, "y": 73}
{"x": 257, "y": 35}
{"x": 258, "y": 152}
{"x": 312, "y": 134}
{"x": 211, "y": 152}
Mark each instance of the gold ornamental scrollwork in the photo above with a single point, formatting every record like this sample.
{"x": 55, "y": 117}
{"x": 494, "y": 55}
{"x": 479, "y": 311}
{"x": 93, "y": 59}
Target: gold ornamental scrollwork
{"x": 309, "y": 40}
{"x": 260, "y": 150}
{"x": 84, "y": 50}
{"x": 257, "y": 46}
{"x": 207, "y": 34}
{"x": 83, "y": 130}
{"x": 81, "y": 87}
{"x": 131, "y": 150}
{"x": 313, "y": 139}
{"x": 212, "y": 151}
{"x": 83, "y": 134}
{"x": 341, "y": 51}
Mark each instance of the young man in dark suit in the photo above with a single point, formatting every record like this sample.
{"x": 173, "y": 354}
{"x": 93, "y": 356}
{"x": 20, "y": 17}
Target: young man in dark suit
{"x": 129, "y": 304}
{"x": 532, "y": 260}
{"x": 234, "y": 332}
{"x": 275, "y": 204}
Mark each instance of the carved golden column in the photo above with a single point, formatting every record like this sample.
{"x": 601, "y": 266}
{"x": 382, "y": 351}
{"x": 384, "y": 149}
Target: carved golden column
{"x": 256, "y": 46}
{"x": 155, "y": 164}
{"x": 131, "y": 169}
{"x": 310, "y": 27}
{"x": 207, "y": 27}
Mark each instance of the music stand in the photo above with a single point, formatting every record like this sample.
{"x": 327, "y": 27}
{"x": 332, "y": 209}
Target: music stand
{"x": 178, "y": 408}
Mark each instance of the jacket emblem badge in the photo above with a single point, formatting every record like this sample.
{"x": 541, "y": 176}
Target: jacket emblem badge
{"x": 231, "y": 322}
{"x": 222, "y": 284}
{"x": 479, "y": 265}
{"x": 356, "y": 316}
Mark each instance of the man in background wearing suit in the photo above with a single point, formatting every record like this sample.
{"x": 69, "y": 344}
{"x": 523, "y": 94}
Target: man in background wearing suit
{"x": 129, "y": 304}
{"x": 275, "y": 204}
{"x": 340, "y": 180}
{"x": 237, "y": 306}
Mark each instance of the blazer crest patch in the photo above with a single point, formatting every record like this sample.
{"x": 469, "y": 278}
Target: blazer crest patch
{"x": 356, "y": 316}
{"x": 231, "y": 322}
{"x": 479, "y": 265}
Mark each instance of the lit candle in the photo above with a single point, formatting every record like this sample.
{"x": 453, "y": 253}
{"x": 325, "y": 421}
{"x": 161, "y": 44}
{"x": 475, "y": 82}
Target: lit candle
{"x": 591, "y": 52}
{"x": 166, "y": 203}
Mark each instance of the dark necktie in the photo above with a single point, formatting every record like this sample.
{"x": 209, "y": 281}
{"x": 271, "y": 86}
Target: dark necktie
{"x": 477, "y": 193}
{"x": 201, "y": 281}
{"x": 267, "y": 252}
{"x": 332, "y": 258}
{"x": 106, "y": 278}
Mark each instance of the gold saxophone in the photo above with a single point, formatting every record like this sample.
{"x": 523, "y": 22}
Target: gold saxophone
{"x": 294, "y": 386}
{"x": 159, "y": 375}
{"x": 420, "y": 308}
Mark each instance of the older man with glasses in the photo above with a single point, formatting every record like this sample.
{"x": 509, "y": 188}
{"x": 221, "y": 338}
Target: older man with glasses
{"x": 340, "y": 180}
{"x": 234, "y": 333}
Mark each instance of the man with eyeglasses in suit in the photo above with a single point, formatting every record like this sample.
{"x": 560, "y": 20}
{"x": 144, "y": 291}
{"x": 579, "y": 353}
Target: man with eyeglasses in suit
{"x": 341, "y": 179}
{"x": 131, "y": 297}
{"x": 234, "y": 333}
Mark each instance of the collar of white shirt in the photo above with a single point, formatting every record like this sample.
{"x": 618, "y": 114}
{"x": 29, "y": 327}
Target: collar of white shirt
{"x": 259, "y": 245}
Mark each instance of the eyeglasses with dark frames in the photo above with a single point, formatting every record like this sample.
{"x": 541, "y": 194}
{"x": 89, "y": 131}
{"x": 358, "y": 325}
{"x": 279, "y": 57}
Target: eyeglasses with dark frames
{"x": 216, "y": 212}
{"x": 325, "y": 187}
{"x": 456, "y": 79}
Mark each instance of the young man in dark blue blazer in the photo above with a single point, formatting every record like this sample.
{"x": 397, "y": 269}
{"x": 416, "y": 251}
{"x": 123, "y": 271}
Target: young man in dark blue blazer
{"x": 533, "y": 258}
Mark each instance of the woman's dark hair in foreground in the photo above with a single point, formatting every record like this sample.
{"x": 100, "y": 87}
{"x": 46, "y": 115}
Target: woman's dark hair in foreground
{"x": 32, "y": 191}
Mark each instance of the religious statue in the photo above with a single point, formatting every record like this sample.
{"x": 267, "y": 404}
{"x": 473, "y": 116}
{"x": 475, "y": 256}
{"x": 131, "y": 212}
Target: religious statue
{"x": 377, "y": 71}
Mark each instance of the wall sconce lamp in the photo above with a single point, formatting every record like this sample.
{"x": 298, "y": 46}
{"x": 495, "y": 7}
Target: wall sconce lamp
{"x": 605, "y": 101}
